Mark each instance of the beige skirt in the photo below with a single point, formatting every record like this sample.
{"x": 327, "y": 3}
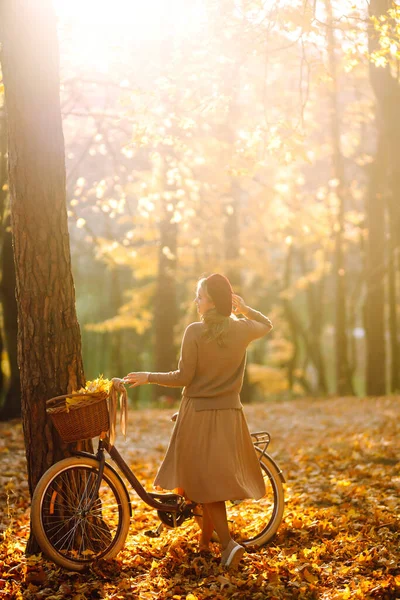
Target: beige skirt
{"x": 211, "y": 456}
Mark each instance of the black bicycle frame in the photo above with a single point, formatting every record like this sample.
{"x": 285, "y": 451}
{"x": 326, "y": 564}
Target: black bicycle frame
{"x": 175, "y": 501}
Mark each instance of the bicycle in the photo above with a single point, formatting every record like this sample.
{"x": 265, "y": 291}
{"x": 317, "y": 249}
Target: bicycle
{"x": 81, "y": 508}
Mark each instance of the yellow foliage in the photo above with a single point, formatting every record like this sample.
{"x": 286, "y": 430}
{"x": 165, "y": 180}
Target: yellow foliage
{"x": 134, "y": 314}
{"x": 270, "y": 380}
{"x": 100, "y": 384}
{"x": 280, "y": 350}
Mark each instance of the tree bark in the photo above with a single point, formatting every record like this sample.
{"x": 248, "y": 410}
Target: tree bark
{"x": 49, "y": 343}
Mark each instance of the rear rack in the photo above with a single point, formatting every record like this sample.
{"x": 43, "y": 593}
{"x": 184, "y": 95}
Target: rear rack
{"x": 261, "y": 440}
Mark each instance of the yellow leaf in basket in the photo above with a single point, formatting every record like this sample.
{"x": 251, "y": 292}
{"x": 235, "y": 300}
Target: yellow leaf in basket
{"x": 73, "y": 401}
{"x": 100, "y": 384}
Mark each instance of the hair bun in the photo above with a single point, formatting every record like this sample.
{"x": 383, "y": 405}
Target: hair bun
{"x": 220, "y": 291}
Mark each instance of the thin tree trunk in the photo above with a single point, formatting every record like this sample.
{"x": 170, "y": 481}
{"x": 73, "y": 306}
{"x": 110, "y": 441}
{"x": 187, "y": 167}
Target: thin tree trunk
{"x": 49, "y": 343}
{"x": 343, "y": 375}
{"x": 165, "y": 302}
{"x": 116, "y": 362}
{"x": 288, "y": 313}
{"x": 384, "y": 184}
{"x": 232, "y": 235}
{"x": 315, "y": 303}
{"x": 386, "y": 86}
{"x": 375, "y": 271}
{"x": 165, "y": 311}
{"x": 392, "y": 299}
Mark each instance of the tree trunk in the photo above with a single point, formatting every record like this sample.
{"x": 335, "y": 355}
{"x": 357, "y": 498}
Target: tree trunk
{"x": 315, "y": 301}
{"x": 232, "y": 235}
{"x": 49, "y": 344}
{"x": 310, "y": 335}
{"x": 291, "y": 366}
{"x": 165, "y": 302}
{"x": 374, "y": 321}
{"x": 343, "y": 374}
{"x": 392, "y": 298}
{"x": 384, "y": 183}
{"x": 165, "y": 312}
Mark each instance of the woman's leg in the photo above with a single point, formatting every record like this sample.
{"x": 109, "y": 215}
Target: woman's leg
{"x": 232, "y": 552}
{"x": 207, "y": 528}
{"x": 217, "y": 517}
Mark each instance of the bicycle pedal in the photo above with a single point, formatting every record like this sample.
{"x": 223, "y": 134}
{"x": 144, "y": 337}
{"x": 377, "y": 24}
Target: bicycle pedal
{"x": 154, "y": 533}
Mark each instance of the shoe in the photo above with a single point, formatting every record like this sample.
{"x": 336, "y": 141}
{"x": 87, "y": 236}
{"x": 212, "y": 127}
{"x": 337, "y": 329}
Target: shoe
{"x": 232, "y": 555}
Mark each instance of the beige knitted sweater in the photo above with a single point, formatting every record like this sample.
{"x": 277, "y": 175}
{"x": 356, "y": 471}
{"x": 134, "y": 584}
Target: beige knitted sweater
{"x": 211, "y": 375}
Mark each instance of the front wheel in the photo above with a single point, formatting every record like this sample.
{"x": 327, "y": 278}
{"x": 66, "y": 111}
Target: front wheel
{"x": 73, "y": 525}
{"x": 255, "y": 522}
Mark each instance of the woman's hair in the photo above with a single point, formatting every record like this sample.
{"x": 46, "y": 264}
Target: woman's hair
{"x": 217, "y": 325}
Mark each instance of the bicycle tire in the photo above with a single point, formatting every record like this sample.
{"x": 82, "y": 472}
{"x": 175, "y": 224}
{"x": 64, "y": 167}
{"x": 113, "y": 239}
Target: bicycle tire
{"x": 255, "y": 522}
{"x": 65, "y": 533}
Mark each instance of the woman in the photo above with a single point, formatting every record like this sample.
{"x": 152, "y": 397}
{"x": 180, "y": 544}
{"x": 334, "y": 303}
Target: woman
{"x": 211, "y": 454}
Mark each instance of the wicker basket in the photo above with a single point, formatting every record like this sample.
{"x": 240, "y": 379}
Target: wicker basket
{"x": 81, "y": 421}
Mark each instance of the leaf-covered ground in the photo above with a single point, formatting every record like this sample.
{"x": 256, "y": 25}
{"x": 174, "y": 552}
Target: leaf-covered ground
{"x": 339, "y": 538}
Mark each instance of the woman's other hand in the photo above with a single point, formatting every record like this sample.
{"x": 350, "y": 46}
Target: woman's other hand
{"x": 238, "y": 305}
{"x": 135, "y": 379}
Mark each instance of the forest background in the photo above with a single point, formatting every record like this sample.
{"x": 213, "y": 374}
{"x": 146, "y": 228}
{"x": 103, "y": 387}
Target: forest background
{"x": 259, "y": 139}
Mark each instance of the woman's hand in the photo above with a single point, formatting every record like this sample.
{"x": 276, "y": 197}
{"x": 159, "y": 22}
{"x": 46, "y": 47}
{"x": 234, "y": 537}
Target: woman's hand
{"x": 135, "y": 379}
{"x": 238, "y": 305}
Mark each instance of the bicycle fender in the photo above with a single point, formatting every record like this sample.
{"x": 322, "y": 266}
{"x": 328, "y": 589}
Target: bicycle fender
{"x": 269, "y": 457}
{"x": 117, "y": 475}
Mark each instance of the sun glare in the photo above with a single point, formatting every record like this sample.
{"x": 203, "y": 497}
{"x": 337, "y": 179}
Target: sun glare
{"x": 98, "y": 29}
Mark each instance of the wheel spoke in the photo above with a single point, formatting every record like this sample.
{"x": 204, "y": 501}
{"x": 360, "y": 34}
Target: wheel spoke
{"x": 72, "y": 530}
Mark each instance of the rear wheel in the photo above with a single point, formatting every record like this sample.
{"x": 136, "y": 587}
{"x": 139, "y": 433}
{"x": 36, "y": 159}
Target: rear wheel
{"x": 255, "y": 522}
{"x": 72, "y": 530}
